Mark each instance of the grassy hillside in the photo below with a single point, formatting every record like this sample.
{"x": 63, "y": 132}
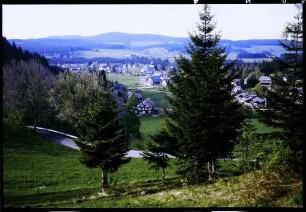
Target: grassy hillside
{"x": 37, "y": 171}
{"x": 229, "y": 192}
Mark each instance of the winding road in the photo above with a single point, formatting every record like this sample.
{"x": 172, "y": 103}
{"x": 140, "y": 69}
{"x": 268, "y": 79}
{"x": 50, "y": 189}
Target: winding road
{"x": 67, "y": 140}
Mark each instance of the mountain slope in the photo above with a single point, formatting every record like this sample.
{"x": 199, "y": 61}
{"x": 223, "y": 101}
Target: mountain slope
{"x": 138, "y": 42}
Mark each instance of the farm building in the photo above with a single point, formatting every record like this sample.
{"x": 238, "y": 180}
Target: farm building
{"x": 146, "y": 106}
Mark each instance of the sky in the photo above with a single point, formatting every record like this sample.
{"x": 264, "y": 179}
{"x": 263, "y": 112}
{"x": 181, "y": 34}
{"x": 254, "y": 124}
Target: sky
{"x": 235, "y": 22}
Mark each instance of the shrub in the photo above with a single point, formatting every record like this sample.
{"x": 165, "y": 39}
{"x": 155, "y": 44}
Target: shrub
{"x": 248, "y": 151}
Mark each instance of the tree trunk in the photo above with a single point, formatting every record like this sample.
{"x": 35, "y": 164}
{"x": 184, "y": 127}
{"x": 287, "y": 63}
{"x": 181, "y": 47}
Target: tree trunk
{"x": 211, "y": 168}
{"x": 163, "y": 175}
{"x": 35, "y": 125}
{"x": 104, "y": 181}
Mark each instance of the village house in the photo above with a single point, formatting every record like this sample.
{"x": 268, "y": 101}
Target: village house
{"x": 143, "y": 80}
{"x": 146, "y": 106}
{"x": 165, "y": 82}
{"x": 265, "y": 81}
{"x": 157, "y": 73}
{"x": 148, "y": 69}
{"x": 236, "y": 82}
{"x": 138, "y": 96}
{"x": 153, "y": 81}
{"x": 118, "y": 89}
{"x": 236, "y": 89}
{"x": 250, "y": 100}
{"x": 258, "y": 102}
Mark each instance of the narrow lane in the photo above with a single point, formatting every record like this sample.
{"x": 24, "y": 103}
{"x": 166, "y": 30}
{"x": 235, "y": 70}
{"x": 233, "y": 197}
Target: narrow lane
{"x": 66, "y": 140}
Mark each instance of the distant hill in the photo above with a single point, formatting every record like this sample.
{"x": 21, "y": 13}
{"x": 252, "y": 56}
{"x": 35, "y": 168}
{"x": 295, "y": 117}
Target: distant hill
{"x": 139, "y": 42}
{"x": 112, "y": 40}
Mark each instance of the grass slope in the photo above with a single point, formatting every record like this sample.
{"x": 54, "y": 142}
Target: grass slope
{"x": 31, "y": 162}
{"x": 39, "y": 172}
{"x": 149, "y": 126}
{"x": 127, "y": 80}
{"x": 229, "y": 192}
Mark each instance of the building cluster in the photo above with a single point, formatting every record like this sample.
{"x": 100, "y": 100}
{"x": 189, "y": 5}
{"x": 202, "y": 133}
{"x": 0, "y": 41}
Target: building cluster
{"x": 144, "y": 106}
{"x": 118, "y": 68}
{"x": 249, "y": 99}
{"x": 155, "y": 78}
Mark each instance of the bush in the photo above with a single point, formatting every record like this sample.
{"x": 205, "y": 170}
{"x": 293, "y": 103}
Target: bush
{"x": 248, "y": 151}
{"x": 13, "y": 116}
{"x": 279, "y": 160}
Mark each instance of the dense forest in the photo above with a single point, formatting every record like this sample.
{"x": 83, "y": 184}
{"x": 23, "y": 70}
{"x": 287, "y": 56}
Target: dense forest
{"x": 11, "y": 52}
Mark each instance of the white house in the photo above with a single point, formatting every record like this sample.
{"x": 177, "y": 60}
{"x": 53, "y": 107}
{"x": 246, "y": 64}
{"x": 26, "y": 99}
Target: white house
{"x": 165, "y": 82}
{"x": 236, "y": 89}
{"x": 153, "y": 81}
{"x": 146, "y": 106}
{"x": 265, "y": 81}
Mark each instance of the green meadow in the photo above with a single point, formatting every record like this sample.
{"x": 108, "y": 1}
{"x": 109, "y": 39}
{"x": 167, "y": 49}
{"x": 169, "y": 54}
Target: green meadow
{"x": 39, "y": 173}
{"x": 127, "y": 80}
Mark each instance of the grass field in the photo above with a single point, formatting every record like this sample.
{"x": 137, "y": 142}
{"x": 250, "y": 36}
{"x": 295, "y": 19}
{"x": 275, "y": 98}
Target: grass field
{"x": 127, "y": 80}
{"x": 149, "y": 126}
{"x": 37, "y": 171}
{"x": 228, "y": 192}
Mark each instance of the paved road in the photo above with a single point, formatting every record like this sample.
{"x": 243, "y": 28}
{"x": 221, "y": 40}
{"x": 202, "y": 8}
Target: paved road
{"x": 57, "y": 138}
{"x": 67, "y": 141}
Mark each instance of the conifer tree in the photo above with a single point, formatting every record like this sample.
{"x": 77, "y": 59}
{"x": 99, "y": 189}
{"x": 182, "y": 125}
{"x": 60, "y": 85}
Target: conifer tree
{"x": 102, "y": 140}
{"x": 205, "y": 118}
{"x": 157, "y": 154}
{"x": 285, "y": 101}
{"x": 131, "y": 120}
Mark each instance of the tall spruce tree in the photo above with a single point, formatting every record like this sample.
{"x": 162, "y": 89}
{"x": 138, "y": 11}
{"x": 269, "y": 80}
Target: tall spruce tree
{"x": 285, "y": 101}
{"x": 205, "y": 118}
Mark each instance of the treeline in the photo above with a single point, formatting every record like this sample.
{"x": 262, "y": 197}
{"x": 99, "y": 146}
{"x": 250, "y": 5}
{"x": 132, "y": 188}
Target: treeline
{"x": 254, "y": 55}
{"x": 12, "y": 52}
{"x": 131, "y": 60}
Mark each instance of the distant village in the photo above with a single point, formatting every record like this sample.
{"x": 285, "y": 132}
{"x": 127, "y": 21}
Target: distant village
{"x": 156, "y": 75}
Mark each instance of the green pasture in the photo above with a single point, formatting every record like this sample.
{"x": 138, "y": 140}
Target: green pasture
{"x": 149, "y": 126}
{"x": 39, "y": 172}
{"x": 127, "y": 80}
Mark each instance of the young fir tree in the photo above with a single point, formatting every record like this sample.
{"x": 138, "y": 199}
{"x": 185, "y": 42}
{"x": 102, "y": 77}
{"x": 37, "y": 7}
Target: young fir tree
{"x": 102, "y": 139}
{"x": 285, "y": 106}
{"x": 157, "y": 154}
{"x": 205, "y": 118}
{"x": 248, "y": 150}
{"x": 131, "y": 120}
